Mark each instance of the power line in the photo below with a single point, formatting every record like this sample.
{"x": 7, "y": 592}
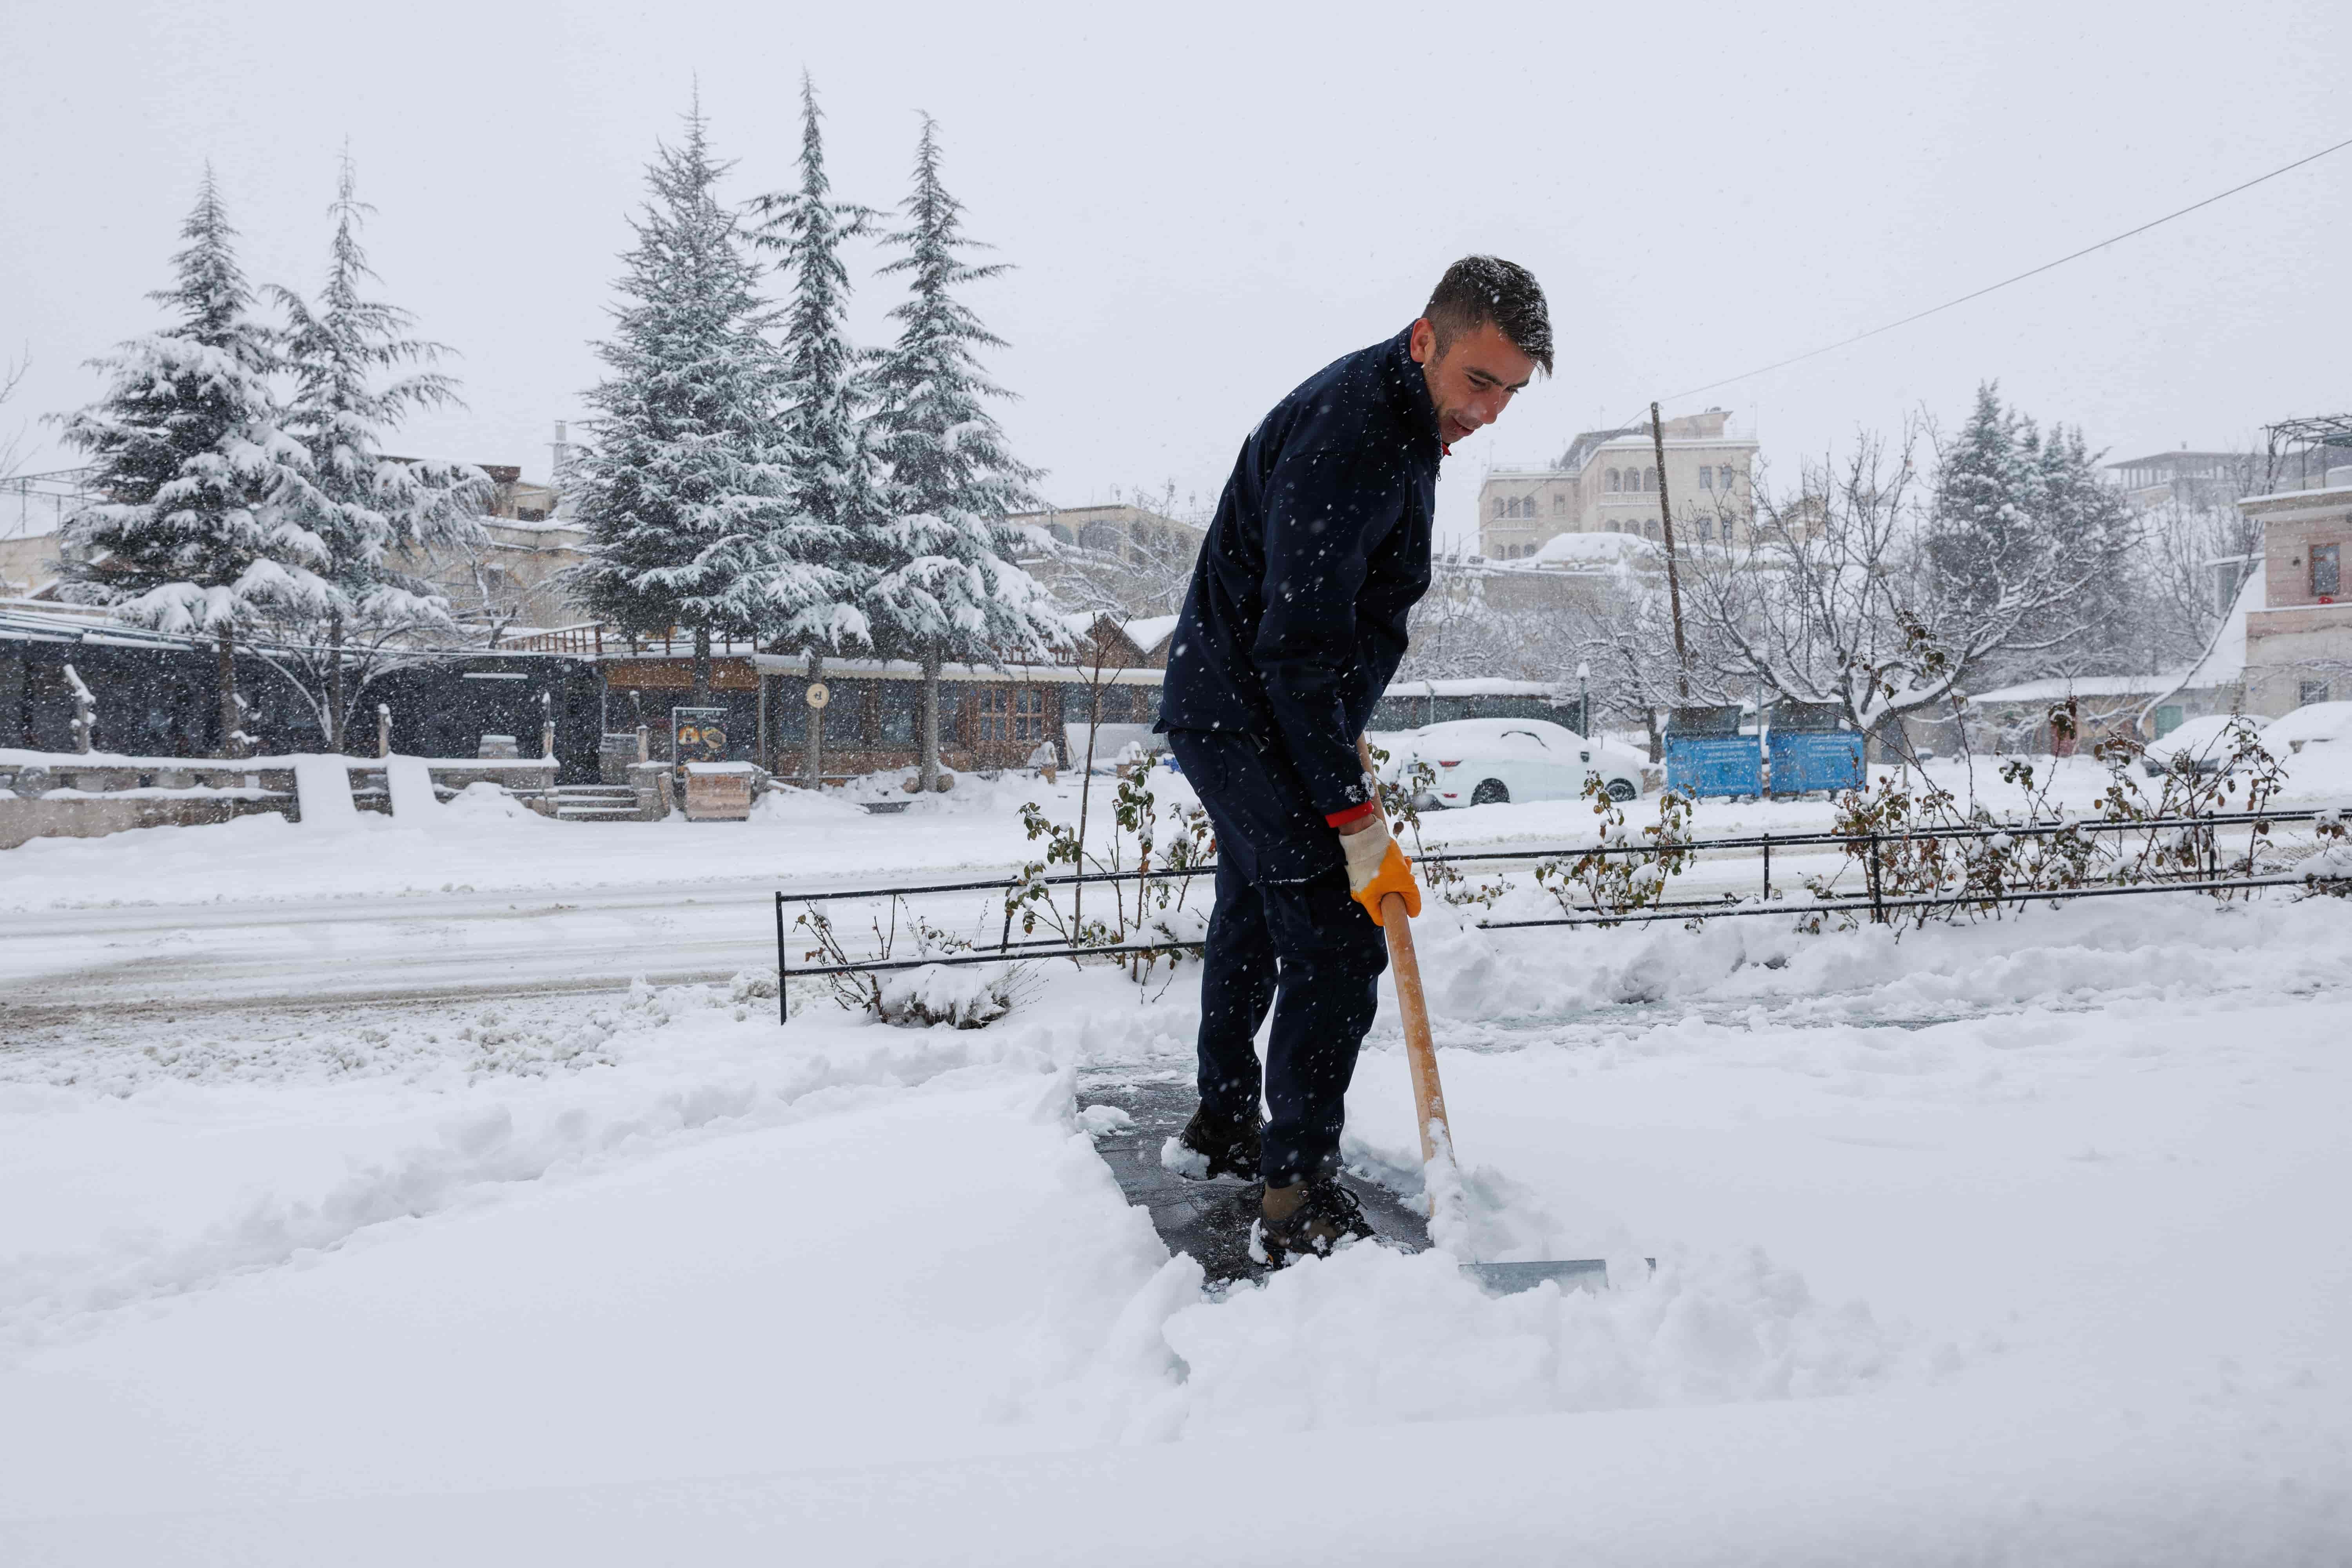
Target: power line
{"x": 2020, "y": 277}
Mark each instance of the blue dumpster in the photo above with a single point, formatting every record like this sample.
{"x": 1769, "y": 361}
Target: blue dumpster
{"x": 1810, "y": 760}
{"x": 1810, "y": 751}
{"x": 1707, "y": 754}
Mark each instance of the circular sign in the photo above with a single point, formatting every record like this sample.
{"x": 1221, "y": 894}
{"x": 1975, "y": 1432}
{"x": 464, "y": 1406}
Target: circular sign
{"x": 818, "y": 696}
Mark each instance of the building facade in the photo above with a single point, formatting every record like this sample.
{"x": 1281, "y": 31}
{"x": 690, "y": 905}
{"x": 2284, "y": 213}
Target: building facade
{"x": 1607, "y": 482}
{"x": 2299, "y": 640}
{"x": 1113, "y": 559}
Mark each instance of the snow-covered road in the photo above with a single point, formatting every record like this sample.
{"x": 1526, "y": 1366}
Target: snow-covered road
{"x": 194, "y": 958}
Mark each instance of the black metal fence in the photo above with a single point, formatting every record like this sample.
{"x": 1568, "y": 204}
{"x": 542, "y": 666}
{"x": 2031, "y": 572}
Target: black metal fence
{"x": 1877, "y": 901}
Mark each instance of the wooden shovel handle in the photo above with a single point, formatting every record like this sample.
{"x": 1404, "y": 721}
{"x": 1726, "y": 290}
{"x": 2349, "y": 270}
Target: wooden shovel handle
{"x": 1420, "y": 1051}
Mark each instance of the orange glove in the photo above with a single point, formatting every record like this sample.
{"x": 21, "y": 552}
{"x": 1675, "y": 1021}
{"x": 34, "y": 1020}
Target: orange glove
{"x": 1377, "y": 868}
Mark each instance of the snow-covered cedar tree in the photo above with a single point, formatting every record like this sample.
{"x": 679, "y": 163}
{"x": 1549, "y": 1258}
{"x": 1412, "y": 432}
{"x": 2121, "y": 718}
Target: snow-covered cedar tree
{"x": 833, "y": 478}
{"x": 683, "y": 484}
{"x": 950, "y": 589}
{"x": 356, "y": 374}
{"x": 2011, "y": 507}
{"x": 204, "y": 529}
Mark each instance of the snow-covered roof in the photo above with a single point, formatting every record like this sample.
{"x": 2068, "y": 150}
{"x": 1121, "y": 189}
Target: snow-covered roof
{"x": 1587, "y": 549}
{"x": 2060, "y": 686}
{"x": 1150, "y": 631}
{"x": 839, "y": 668}
{"x": 2323, "y": 494}
{"x": 1477, "y": 685}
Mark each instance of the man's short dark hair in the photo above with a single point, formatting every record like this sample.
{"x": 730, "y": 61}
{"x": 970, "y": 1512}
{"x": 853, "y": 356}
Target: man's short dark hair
{"x": 1481, "y": 289}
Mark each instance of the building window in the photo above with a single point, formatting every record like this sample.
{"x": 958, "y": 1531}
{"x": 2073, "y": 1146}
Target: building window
{"x": 1498, "y": 506}
{"x": 2311, "y": 692}
{"x": 1650, "y": 527}
{"x": 1614, "y": 482}
{"x": 1705, "y": 477}
{"x": 1650, "y": 481}
{"x": 1559, "y": 506}
{"x": 2325, "y": 576}
{"x": 1012, "y": 715}
{"x": 1706, "y": 524}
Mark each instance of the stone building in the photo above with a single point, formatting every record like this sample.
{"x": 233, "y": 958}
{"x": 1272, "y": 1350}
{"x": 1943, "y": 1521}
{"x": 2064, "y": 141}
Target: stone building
{"x": 1607, "y": 482}
{"x": 1116, "y": 559}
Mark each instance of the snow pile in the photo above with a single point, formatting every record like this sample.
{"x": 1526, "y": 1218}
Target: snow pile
{"x": 2157, "y": 947}
{"x": 966, "y": 996}
{"x": 1371, "y": 1336}
{"x": 323, "y": 788}
{"x": 483, "y": 801}
{"x": 501, "y": 1143}
{"x": 789, "y": 807}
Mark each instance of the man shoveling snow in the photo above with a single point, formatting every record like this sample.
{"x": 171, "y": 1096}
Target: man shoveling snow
{"x": 1294, "y": 623}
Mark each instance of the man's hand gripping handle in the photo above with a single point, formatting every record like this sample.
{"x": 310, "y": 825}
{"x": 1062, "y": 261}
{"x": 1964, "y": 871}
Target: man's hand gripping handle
{"x": 1376, "y": 867}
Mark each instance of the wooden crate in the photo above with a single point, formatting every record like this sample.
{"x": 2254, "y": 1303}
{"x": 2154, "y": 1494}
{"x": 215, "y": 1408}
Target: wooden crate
{"x": 718, "y": 792}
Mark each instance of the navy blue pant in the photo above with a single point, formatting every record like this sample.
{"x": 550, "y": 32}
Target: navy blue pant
{"x": 1285, "y": 934}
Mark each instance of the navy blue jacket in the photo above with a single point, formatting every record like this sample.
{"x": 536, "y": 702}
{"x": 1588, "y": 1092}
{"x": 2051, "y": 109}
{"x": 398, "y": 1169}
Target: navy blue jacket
{"x": 1296, "y": 617}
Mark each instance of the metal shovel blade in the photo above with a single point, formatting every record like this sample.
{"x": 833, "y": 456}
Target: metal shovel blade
{"x": 1573, "y": 1274}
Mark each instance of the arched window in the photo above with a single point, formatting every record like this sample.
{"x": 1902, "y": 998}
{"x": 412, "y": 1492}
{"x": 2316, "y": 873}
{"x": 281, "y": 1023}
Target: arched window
{"x": 1498, "y": 506}
{"x": 1650, "y": 481}
{"x": 1650, "y": 527}
{"x": 1612, "y": 481}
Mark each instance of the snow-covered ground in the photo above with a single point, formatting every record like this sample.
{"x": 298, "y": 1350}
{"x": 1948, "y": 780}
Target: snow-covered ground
{"x": 2012, "y": 1243}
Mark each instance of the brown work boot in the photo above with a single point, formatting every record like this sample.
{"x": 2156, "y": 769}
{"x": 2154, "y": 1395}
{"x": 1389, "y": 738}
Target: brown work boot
{"x": 1312, "y": 1217}
{"x": 1210, "y": 1147}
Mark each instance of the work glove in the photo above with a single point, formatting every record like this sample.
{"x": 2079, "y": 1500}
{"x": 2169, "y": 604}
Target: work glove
{"x": 1376, "y": 868}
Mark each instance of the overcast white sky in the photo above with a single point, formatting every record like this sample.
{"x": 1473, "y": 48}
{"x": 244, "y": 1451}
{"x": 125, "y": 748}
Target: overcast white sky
{"x": 1205, "y": 203}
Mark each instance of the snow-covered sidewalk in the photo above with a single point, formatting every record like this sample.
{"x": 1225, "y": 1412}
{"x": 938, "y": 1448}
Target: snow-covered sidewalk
{"x": 2007, "y": 1243}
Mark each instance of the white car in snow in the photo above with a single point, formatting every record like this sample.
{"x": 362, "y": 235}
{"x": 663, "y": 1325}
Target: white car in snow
{"x": 1486, "y": 762}
{"x": 2206, "y": 743}
{"x": 2200, "y": 745}
{"x": 2314, "y": 723}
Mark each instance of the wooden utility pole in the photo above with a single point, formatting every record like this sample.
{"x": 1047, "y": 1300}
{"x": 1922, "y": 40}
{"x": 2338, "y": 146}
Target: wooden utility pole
{"x": 1674, "y": 578}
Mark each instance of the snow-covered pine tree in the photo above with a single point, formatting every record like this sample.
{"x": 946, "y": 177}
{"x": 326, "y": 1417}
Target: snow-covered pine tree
{"x": 203, "y": 529}
{"x": 1986, "y": 519}
{"x": 833, "y": 482}
{"x": 950, "y": 589}
{"x": 2099, "y": 536}
{"x": 366, "y": 506}
{"x": 683, "y": 483}
{"x": 2019, "y": 517}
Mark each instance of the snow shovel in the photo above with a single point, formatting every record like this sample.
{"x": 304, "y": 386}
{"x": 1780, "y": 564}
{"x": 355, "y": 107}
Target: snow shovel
{"x": 1429, "y": 1113}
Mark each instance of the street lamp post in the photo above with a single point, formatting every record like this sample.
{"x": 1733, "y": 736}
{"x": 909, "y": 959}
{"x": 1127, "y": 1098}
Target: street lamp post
{"x": 1584, "y": 699}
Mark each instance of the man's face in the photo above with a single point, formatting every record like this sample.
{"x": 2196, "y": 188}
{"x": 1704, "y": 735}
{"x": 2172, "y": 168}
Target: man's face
{"x": 1473, "y": 382}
